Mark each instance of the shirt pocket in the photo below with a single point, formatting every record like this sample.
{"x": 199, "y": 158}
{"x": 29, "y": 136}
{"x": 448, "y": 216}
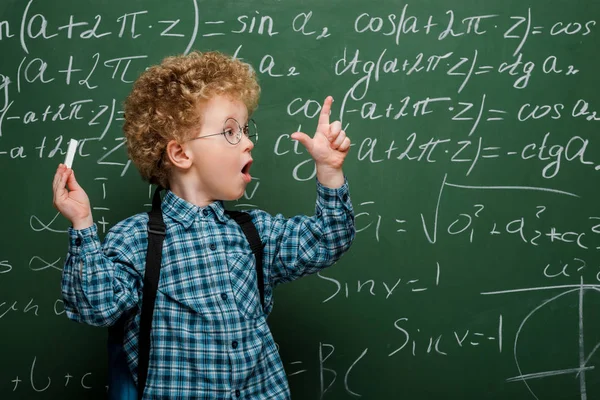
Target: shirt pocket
{"x": 242, "y": 276}
{"x": 189, "y": 292}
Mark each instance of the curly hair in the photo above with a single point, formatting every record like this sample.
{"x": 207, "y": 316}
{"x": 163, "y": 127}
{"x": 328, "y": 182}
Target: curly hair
{"x": 163, "y": 104}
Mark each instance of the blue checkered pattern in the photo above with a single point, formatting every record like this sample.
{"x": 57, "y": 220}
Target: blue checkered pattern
{"x": 210, "y": 339}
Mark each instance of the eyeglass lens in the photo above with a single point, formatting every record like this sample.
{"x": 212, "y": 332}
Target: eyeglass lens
{"x": 233, "y": 131}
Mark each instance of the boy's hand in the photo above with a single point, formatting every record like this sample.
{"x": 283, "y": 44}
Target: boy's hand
{"x": 73, "y": 203}
{"x": 328, "y": 147}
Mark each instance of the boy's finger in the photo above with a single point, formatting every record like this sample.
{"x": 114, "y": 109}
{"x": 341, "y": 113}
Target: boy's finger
{"x": 55, "y": 180}
{"x": 339, "y": 139}
{"x": 58, "y": 172}
{"x": 345, "y": 145}
{"x": 325, "y": 111}
{"x": 334, "y": 130}
{"x": 72, "y": 182}
{"x": 59, "y": 189}
{"x": 58, "y": 179}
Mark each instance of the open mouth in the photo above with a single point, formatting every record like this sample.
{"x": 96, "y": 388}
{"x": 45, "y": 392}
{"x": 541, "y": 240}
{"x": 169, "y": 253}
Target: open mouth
{"x": 246, "y": 171}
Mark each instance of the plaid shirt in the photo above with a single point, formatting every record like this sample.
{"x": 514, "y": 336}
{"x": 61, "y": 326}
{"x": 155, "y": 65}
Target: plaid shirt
{"x": 210, "y": 339}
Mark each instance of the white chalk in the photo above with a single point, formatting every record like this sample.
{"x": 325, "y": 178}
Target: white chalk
{"x": 71, "y": 153}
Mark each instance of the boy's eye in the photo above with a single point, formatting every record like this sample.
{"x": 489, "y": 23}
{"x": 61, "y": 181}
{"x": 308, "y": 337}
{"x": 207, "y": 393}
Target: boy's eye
{"x": 246, "y": 130}
{"x": 229, "y": 133}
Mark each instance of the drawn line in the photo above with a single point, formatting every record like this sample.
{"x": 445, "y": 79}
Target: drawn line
{"x": 195, "y": 31}
{"x": 246, "y": 205}
{"x": 533, "y": 289}
{"x": 516, "y": 343}
{"x": 297, "y": 372}
{"x": 590, "y": 356}
{"x": 582, "y": 386}
{"x": 500, "y": 333}
{"x": 541, "y": 189}
{"x": 537, "y": 375}
{"x": 349, "y": 369}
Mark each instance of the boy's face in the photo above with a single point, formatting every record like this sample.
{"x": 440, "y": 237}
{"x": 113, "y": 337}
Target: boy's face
{"x": 221, "y": 169}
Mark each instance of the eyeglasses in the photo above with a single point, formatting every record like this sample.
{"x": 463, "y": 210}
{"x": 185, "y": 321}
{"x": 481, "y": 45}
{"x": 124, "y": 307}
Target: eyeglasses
{"x": 232, "y": 130}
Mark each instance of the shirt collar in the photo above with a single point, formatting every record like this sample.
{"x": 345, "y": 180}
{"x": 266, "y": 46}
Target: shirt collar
{"x": 186, "y": 213}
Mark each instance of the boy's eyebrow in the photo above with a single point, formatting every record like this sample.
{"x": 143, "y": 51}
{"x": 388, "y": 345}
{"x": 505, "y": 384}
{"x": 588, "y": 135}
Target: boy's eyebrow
{"x": 240, "y": 120}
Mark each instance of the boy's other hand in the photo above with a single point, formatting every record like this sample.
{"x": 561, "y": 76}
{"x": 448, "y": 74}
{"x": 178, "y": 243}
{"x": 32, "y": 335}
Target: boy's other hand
{"x": 329, "y": 146}
{"x": 70, "y": 198}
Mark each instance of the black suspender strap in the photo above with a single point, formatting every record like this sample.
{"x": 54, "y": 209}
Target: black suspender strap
{"x": 244, "y": 220}
{"x": 156, "y": 234}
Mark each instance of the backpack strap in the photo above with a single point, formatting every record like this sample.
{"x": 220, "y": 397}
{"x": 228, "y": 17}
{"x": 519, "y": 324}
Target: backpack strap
{"x": 156, "y": 235}
{"x": 244, "y": 220}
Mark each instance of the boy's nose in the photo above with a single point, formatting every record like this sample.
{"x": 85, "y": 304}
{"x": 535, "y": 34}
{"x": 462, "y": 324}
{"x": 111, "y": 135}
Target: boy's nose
{"x": 248, "y": 143}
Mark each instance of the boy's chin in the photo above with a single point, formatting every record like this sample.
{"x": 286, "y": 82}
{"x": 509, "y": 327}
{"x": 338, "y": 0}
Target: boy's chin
{"x": 234, "y": 197}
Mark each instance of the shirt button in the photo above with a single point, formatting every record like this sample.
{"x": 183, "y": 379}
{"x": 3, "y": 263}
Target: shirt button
{"x": 78, "y": 241}
{"x": 213, "y": 246}
{"x": 234, "y": 344}
{"x": 238, "y": 393}
{"x": 205, "y": 212}
{"x": 224, "y": 296}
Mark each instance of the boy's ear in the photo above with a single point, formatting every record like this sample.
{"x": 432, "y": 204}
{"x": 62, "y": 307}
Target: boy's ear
{"x": 177, "y": 155}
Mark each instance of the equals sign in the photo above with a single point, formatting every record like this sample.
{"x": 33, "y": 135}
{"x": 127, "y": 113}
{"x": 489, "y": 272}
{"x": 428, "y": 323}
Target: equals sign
{"x": 215, "y": 33}
{"x": 537, "y": 30}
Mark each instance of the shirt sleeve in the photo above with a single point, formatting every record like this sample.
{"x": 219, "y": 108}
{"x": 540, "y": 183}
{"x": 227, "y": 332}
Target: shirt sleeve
{"x": 304, "y": 245}
{"x": 99, "y": 282}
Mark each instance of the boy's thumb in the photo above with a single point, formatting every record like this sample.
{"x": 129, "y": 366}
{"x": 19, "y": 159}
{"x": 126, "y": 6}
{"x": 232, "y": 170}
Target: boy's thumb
{"x": 302, "y": 138}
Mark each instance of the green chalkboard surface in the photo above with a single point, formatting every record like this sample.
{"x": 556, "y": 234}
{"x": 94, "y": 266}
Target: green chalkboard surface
{"x": 474, "y": 172}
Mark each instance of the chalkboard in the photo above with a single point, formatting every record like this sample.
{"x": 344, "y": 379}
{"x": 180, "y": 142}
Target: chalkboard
{"x": 474, "y": 170}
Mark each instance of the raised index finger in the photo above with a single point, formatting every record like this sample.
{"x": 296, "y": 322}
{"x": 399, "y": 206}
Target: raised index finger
{"x": 325, "y": 111}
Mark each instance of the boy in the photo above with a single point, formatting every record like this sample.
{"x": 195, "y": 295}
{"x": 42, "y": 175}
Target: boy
{"x": 187, "y": 129}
